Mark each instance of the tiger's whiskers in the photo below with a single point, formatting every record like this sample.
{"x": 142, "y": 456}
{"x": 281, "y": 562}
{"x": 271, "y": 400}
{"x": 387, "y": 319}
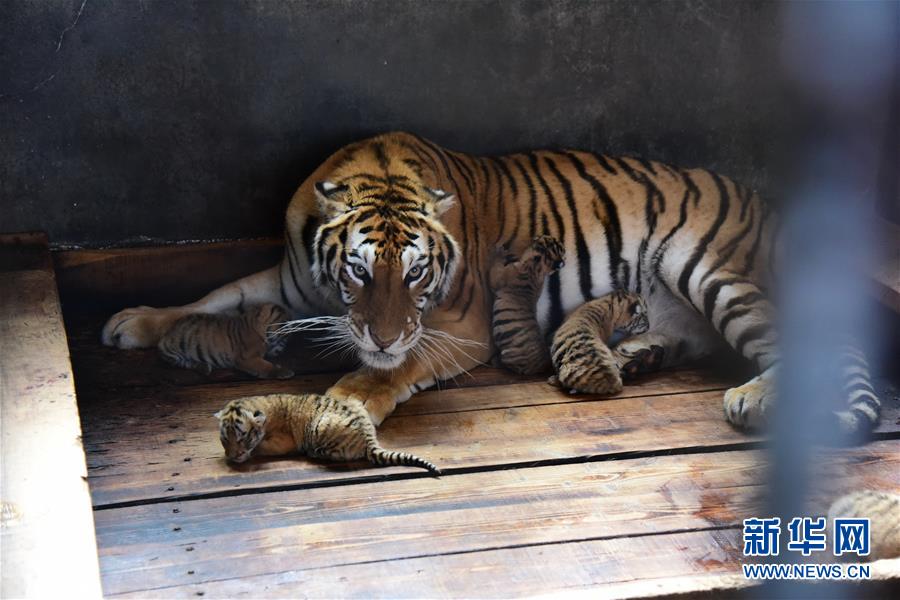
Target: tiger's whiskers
{"x": 331, "y": 333}
{"x": 324, "y": 322}
{"x": 441, "y": 344}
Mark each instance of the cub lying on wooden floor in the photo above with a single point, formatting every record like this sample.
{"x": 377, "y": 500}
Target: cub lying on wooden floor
{"x": 218, "y": 341}
{"x": 579, "y": 353}
{"x": 312, "y": 424}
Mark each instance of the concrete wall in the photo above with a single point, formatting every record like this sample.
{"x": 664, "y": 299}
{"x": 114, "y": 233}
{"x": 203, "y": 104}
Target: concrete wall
{"x": 139, "y": 119}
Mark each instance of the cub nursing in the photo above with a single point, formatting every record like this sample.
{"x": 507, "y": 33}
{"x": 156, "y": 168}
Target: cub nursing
{"x": 516, "y": 284}
{"x": 582, "y": 359}
{"x": 579, "y": 353}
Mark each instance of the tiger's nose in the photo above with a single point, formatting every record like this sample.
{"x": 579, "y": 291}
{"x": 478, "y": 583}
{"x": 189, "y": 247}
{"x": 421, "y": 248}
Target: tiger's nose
{"x": 381, "y": 342}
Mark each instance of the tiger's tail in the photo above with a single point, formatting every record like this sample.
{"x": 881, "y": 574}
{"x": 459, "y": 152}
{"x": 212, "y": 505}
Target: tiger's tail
{"x": 863, "y": 406}
{"x": 379, "y": 456}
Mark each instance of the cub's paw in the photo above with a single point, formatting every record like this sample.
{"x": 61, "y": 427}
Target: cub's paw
{"x": 139, "y": 327}
{"x": 581, "y": 380}
{"x": 550, "y": 250}
{"x": 748, "y": 406}
{"x": 282, "y": 373}
{"x": 202, "y": 368}
{"x": 636, "y": 359}
{"x": 275, "y": 345}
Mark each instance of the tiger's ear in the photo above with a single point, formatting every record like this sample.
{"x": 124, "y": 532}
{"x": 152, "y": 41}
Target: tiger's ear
{"x": 220, "y": 414}
{"x": 259, "y": 417}
{"x": 333, "y": 199}
{"x": 440, "y": 201}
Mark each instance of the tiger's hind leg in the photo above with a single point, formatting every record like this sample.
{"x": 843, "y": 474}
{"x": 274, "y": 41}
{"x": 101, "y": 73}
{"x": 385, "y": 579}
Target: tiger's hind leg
{"x": 742, "y": 314}
{"x": 738, "y": 309}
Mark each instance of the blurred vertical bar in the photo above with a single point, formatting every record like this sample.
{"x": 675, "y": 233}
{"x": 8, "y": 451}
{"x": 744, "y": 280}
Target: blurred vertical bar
{"x": 839, "y": 65}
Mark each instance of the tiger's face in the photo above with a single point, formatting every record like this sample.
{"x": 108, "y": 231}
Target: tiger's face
{"x": 240, "y": 430}
{"x": 384, "y": 251}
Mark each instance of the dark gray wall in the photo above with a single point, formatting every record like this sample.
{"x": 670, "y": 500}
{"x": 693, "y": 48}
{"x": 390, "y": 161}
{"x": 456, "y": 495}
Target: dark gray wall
{"x": 197, "y": 119}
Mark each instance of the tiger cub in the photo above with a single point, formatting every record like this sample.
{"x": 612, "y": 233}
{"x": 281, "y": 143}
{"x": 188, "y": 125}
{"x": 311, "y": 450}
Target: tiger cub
{"x": 206, "y": 341}
{"x": 312, "y": 424}
{"x": 580, "y": 354}
{"x": 882, "y": 510}
{"x": 517, "y": 284}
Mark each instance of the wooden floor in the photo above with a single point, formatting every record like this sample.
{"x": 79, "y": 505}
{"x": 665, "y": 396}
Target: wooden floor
{"x": 542, "y": 492}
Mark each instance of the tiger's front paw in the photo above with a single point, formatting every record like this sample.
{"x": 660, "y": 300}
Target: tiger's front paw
{"x": 139, "y": 327}
{"x": 377, "y": 398}
{"x": 748, "y": 406}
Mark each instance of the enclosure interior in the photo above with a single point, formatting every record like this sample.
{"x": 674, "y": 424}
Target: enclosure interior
{"x": 158, "y": 145}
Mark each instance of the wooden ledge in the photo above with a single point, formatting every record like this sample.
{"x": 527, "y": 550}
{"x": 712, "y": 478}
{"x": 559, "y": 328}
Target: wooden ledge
{"x": 49, "y": 547}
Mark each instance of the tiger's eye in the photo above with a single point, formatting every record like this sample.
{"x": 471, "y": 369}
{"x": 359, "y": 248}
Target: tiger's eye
{"x": 359, "y": 270}
{"x": 414, "y": 271}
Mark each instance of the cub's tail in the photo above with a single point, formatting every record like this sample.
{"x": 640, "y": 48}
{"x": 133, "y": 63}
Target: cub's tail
{"x": 379, "y": 456}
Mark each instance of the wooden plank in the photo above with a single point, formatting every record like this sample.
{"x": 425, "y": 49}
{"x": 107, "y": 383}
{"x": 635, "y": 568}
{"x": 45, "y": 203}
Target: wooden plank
{"x": 502, "y": 573}
{"x": 185, "y": 455}
{"x": 159, "y": 276}
{"x": 183, "y": 543}
{"x": 167, "y": 445}
{"x": 46, "y": 510}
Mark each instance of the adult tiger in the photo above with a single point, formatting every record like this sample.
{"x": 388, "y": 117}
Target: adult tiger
{"x": 398, "y": 234}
